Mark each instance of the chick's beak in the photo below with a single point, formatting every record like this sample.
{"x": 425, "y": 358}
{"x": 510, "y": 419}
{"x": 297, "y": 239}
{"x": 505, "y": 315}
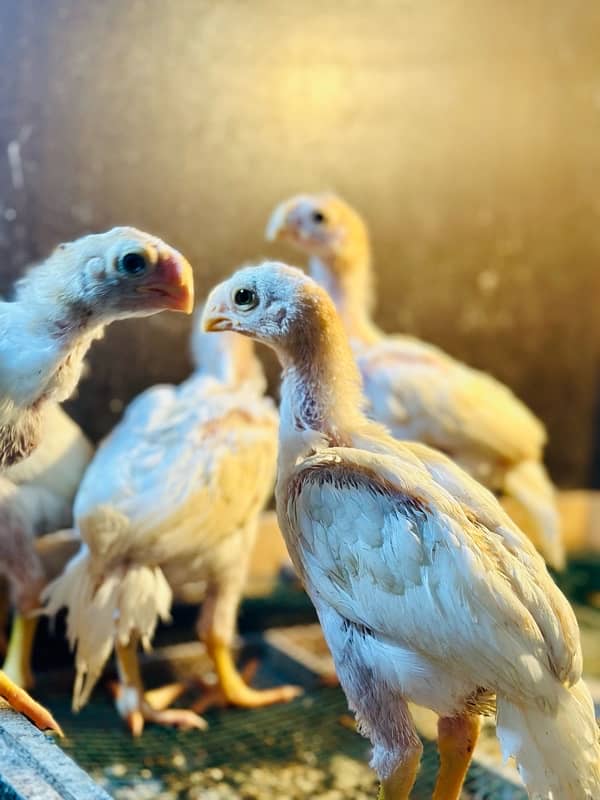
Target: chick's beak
{"x": 172, "y": 281}
{"x": 216, "y": 314}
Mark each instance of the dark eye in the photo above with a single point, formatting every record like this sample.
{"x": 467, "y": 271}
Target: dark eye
{"x": 132, "y": 263}
{"x": 245, "y": 298}
{"x": 318, "y": 217}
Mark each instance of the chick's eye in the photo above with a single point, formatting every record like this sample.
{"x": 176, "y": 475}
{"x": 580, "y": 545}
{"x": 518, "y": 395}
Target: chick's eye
{"x": 318, "y": 217}
{"x": 132, "y": 263}
{"x": 245, "y": 298}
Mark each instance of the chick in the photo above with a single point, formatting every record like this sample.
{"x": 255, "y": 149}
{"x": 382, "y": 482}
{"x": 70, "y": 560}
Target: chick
{"x": 169, "y": 507}
{"x": 36, "y": 498}
{"x": 425, "y": 589}
{"x": 60, "y": 307}
{"x": 415, "y": 389}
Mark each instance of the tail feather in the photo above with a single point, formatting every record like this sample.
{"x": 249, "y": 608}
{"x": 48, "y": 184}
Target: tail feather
{"x": 529, "y": 485}
{"x": 557, "y": 753}
{"x": 124, "y": 601}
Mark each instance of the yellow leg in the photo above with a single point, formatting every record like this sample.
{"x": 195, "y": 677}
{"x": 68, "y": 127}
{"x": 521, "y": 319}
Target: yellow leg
{"x": 17, "y": 664}
{"x": 235, "y": 690}
{"x": 402, "y": 779}
{"x": 457, "y": 737}
{"x": 19, "y": 700}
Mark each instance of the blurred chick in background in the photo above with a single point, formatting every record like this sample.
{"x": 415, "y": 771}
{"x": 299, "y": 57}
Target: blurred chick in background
{"x": 415, "y": 389}
{"x": 425, "y": 589}
{"x": 169, "y": 507}
{"x": 36, "y": 498}
{"x": 60, "y": 306}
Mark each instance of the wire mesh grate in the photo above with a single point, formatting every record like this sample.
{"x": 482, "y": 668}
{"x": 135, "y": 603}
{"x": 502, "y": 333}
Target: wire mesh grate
{"x": 306, "y": 749}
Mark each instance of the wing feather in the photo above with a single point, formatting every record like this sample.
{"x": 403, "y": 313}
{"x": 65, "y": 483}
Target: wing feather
{"x": 433, "y": 577}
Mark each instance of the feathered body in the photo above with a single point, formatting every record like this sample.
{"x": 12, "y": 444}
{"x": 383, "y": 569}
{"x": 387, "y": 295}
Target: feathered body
{"x": 168, "y": 508}
{"x": 36, "y": 498}
{"x": 60, "y": 306}
{"x": 415, "y": 389}
{"x": 425, "y": 589}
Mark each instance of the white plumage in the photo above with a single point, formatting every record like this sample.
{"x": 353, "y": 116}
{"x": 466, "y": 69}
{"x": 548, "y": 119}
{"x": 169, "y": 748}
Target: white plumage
{"x": 426, "y": 590}
{"x": 168, "y": 507}
{"x": 419, "y": 392}
{"x": 60, "y": 306}
{"x": 36, "y": 498}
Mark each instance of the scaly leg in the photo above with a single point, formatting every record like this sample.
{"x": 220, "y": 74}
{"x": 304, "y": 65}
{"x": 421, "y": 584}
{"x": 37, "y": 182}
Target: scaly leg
{"x": 19, "y": 700}
{"x": 216, "y": 628}
{"x": 402, "y": 779}
{"x": 235, "y": 690}
{"x": 17, "y": 664}
{"x": 136, "y": 707}
{"x": 457, "y": 737}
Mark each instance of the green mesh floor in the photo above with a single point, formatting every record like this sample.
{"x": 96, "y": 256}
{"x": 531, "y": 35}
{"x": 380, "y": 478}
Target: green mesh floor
{"x": 302, "y": 750}
{"x": 293, "y": 752}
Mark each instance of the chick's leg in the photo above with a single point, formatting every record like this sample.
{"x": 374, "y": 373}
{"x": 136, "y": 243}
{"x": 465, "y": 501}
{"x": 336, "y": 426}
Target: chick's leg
{"x": 399, "y": 784}
{"x": 457, "y": 737}
{"x": 17, "y": 664}
{"x": 136, "y": 707}
{"x": 216, "y": 628}
{"x": 19, "y": 700}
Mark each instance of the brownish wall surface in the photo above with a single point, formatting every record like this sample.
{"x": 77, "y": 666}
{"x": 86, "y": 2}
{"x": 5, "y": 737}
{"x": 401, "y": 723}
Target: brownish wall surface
{"x": 467, "y": 132}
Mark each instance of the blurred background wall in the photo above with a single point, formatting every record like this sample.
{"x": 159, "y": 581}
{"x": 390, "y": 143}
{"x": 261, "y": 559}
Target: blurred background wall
{"x": 467, "y": 132}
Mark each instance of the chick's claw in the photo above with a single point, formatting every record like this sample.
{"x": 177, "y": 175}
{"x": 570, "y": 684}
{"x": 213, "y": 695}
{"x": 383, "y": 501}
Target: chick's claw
{"x": 136, "y": 709}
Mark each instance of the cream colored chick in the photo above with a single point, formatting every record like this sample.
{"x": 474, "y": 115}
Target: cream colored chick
{"x": 418, "y": 391}
{"x": 36, "y": 498}
{"x": 62, "y": 305}
{"x": 59, "y": 308}
{"x": 425, "y": 589}
{"x": 169, "y": 508}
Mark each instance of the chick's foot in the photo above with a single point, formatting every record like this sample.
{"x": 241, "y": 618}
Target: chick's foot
{"x": 232, "y": 687}
{"x": 19, "y": 700}
{"x": 137, "y": 708}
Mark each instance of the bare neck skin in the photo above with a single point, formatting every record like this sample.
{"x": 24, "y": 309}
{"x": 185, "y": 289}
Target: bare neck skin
{"x": 321, "y": 395}
{"x": 347, "y": 277}
{"x": 47, "y": 350}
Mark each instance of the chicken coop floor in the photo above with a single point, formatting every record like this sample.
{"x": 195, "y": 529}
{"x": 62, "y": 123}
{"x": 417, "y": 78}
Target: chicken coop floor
{"x": 307, "y": 749}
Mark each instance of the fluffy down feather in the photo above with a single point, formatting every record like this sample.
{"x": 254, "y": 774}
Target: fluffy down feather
{"x": 36, "y": 498}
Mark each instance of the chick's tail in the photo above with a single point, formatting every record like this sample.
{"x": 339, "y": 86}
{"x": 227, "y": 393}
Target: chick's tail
{"x": 528, "y": 484}
{"x": 557, "y": 752}
{"x": 104, "y": 608}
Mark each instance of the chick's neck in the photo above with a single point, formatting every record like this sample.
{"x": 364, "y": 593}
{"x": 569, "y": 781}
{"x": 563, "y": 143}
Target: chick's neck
{"x": 321, "y": 386}
{"x": 347, "y": 277}
{"x": 58, "y": 339}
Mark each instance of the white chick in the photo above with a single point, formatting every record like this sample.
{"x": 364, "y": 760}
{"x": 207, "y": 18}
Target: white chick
{"x": 169, "y": 508}
{"x": 60, "y": 307}
{"x": 418, "y": 391}
{"x": 425, "y": 589}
